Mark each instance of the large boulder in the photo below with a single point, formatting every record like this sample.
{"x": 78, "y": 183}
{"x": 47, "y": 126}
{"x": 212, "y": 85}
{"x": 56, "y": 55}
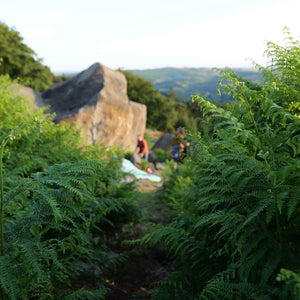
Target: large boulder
{"x": 35, "y": 97}
{"x": 96, "y": 100}
{"x": 165, "y": 142}
{"x": 136, "y": 160}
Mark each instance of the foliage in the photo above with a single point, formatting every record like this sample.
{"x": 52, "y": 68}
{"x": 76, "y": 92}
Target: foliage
{"x": 177, "y": 181}
{"x": 61, "y": 78}
{"x": 282, "y": 75}
{"x": 185, "y": 118}
{"x": 237, "y": 197}
{"x": 38, "y": 141}
{"x": 145, "y": 165}
{"x": 21, "y": 62}
{"x": 161, "y": 113}
{"x": 290, "y": 278}
{"x": 161, "y": 155}
{"x": 61, "y": 204}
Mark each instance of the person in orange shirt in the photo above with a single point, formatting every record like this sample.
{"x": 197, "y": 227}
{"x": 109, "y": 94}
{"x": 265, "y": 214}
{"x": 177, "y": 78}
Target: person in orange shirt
{"x": 142, "y": 147}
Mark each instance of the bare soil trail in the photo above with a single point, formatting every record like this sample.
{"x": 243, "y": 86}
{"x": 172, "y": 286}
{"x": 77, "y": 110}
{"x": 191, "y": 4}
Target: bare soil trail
{"x": 135, "y": 279}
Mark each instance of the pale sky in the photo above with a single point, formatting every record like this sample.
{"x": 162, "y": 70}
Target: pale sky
{"x": 70, "y": 35}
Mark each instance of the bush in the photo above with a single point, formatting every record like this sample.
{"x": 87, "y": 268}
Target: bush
{"x": 161, "y": 110}
{"x": 162, "y": 155}
{"x": 59, "y": 205}
{"x": 238, "y": 208}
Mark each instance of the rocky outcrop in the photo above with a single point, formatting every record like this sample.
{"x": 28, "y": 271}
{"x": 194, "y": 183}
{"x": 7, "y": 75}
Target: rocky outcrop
{"x": 136, "y": 160}
{"x": 35, "y": 97}
{"x": 96, "y": 100}
{"x": 165, "y": 142}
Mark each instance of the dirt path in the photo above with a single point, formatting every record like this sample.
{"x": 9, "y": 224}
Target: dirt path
{"x": 143, "y": 268}
{"x": 134, "y": 279}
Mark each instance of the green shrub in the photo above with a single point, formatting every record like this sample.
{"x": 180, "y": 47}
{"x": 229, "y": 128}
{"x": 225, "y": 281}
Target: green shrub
{"x": 238, "y": 208}
{"x": 60, "y": 204}
{"x": 53, "y": 222}
{"x": 290, "y": 278}
{"x": 127, "y": 155}
{"x": 145, "y": 165}
{"x": 162, "y": 155}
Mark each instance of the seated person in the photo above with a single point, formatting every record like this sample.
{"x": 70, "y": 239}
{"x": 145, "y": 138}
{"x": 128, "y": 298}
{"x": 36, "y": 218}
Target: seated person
{"x": 179, "y": 148}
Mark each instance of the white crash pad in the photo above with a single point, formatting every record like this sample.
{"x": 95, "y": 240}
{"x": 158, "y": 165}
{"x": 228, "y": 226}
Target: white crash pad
{"x": 129, "y": 167}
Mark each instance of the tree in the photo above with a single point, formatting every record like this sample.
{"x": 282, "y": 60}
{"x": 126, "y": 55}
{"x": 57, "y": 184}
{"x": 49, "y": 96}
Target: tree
{"x": 164, "y": 113}
{"x": 160, "y": 109}
{"x": 185, "y": 118}
{"x": 21, "y": 62}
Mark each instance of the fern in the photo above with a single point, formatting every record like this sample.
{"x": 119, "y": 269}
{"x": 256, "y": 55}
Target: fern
{"x": 49, "y": 236}
{"x": 57, "y": 199}
{"x": 87, "y": 295}
{"x": 237, "y": 217}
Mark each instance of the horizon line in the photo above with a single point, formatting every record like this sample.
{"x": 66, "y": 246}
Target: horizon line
{"x": 160, "y": 68}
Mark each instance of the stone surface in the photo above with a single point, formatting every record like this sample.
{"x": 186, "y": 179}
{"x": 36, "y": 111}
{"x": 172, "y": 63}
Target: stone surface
{"x": 35, "y": 98}
{"x": 165, "y": 142}
{"x": 151, "y": 166}
{"x": 96, "y": 100}
{"x": 136, "y": 160}
{"x": 152, "y": 156}
{"x": 160, "y": 166}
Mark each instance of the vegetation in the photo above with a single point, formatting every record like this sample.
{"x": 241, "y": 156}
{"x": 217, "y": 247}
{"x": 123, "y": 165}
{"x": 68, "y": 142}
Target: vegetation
{"x": 59, "y": 205}
{"x": 162, "y": 112}
{"x": 282, "y": 83}
{"x": 21, "y": 62}
{"x": 237, "y": 198}
{"x": 162, "y": 155}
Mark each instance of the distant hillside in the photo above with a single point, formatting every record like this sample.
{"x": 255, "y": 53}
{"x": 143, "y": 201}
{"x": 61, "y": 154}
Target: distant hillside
{"x": 191, "y": 81}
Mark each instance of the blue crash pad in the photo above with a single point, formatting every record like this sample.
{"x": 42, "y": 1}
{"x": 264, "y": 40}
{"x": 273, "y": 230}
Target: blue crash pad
{"x": 129, "y": 167}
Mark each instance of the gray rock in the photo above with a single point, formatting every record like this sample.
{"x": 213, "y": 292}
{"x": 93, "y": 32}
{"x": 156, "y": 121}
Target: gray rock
{"x": 160, "y": 166}
{"x": 165, "y": 142}
{"x": 152, "y": 157}
{"x": 96, "y": 100}
{"x": 34, "y": 97}
{"x": 152, "y": 166}
{"x": 136, "y": 159}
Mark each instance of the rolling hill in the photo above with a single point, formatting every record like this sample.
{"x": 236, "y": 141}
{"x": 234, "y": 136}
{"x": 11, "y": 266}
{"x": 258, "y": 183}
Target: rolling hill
{"x": 191, "y": 81}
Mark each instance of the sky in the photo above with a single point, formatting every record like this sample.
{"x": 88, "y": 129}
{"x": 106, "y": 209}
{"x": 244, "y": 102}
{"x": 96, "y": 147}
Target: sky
{"x": 70, "y": 35}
